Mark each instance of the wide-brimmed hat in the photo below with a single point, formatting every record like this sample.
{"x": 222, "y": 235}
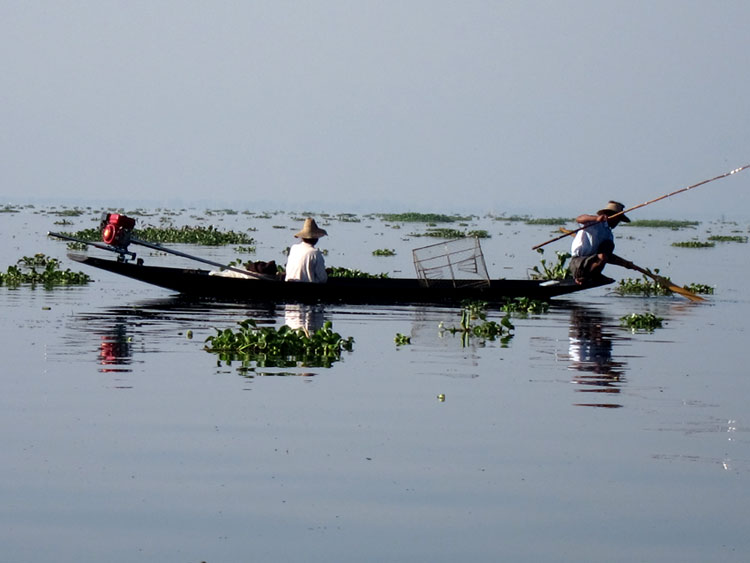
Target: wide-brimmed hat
{"x": 311, "y": 230}
{"x": 612, "y": 208}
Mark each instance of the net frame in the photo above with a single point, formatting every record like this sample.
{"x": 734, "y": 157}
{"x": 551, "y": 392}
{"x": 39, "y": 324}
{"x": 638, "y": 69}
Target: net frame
{"x": 459, "y": 260}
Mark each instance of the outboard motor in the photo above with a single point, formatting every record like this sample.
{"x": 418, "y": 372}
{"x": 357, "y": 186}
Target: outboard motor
{"x": 116, "y": 229}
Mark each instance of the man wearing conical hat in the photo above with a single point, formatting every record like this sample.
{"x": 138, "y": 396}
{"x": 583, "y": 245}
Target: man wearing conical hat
{"x": 594, "y": 245}
{"x": 305, "y": 262}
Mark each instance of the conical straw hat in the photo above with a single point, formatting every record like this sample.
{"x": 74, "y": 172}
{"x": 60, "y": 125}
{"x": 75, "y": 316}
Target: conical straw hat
{"x": 311, "y": 230}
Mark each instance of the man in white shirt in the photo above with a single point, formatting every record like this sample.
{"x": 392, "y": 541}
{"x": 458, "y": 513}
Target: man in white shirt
{"x": 594, "y": 245}
{"x": 305, "y": 262}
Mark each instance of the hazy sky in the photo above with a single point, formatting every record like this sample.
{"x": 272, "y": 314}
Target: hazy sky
{"x": 547, "y": 107}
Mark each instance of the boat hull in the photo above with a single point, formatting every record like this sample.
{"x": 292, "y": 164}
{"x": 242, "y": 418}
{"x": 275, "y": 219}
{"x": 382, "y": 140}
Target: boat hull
{"x": 199, "y": 283}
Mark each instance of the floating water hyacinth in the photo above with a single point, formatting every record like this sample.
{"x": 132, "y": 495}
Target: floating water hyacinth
{"x": 525, "y": 306}
{"x": 693, "y": 244}
{"x": 282, "y": 347}
{"x": 557, "y": 271}
{"x": 474, "y": 323}
{"x": 41, "y": 270}
{"x": 207, "y": 236}
{"x": 641, "y": 321}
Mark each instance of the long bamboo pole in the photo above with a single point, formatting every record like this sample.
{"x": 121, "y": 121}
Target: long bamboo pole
{"x": 645, "y": 203}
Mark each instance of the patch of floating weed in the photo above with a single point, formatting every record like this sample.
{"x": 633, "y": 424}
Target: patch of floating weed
{"x": 221, "y": 212}
{"x": 663, "y": 224}
{"x": 694, "y": 244}
{"x": 643, "y": 286}
{"x": 447, "y": 233}
{"x": 402, "y": 339}
{"x": 41, "y": 270}
{"x": 79, "y": 246}
{"x": 700, "y": 288}
{"x": 525, "y": 306}
{"x": 68, "y": 212}
{"x": 474, "y": 323}
{"x": 384, "y": 252}
{"x": 641, "y": 321}
{"x": 207, "y": 236}
{"x": 348, "y": 218}
{"x": 728, "y": 238}
{"x": 513, "y": 218}
{"x": 244, "y": 249}
{"x": 557, "y": 271}
{"x": 339, "y": 272}
{"x": 548, "y": 221}
{"x": 282, "y": 347}
{"x": 412, "y": 217}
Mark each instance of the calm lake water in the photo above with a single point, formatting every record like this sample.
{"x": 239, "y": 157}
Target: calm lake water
{"x": 123, "y": 440}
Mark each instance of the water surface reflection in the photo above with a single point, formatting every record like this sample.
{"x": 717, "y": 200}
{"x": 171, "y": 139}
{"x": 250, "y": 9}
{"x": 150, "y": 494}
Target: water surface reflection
{"x": 120, "y": 334}
{"x": 115, "y": 352}
{"x": 590, "y": 352}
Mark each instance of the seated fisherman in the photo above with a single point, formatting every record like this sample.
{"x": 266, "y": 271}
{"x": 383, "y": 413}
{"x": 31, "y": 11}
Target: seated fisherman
{"x": 305, "y": 262}
{"x": 593, "y": 246}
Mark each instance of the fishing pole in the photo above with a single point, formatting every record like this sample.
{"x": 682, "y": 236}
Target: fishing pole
{"x": 645, "y": 203}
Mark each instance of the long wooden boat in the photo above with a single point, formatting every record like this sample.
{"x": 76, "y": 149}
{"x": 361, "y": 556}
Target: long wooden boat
{"x": 200, "y": 283}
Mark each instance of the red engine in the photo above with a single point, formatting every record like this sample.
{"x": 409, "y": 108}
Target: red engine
{"x": 116, "y": 229}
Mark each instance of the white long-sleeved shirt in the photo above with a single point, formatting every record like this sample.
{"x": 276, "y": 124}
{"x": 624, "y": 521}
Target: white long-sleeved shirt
{"x": 306, "y": 264}
{"x": 587, "y": 240}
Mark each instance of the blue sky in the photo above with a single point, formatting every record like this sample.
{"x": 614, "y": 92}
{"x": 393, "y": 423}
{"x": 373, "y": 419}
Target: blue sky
{"x": 541, "y": 107}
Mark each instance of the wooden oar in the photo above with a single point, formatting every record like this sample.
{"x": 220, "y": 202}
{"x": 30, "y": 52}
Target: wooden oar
{"x": 662, "y": 281}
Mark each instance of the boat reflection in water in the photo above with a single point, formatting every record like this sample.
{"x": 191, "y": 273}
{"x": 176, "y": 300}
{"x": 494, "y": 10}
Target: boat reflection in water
{"x": 590, "y": 353}
{"x": 115, "y": 350}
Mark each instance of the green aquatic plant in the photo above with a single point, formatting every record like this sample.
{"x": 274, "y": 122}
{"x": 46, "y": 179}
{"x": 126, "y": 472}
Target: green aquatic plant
{"x": 641, "y": 321}
{"x": 700, "y": 288}
{"x": 694, "y": 244}
{"x": 728, "y": 238}
{"x": 448, "y": 233}
{"x": 647, "y": 287}
{"x": 402, "y": 339}
{"x": 412, "y": 217}
{"x": 548, "y": 221}
{"x": 348, "y": 218}
{"x": 643, "y": 286}
{"x": 513, "y": 218}
{"x": 339, "y": 272}
{"x": 525, "y": 306}
{"x": 244, "y": 249}
{"x": 282, "y": 347}
{"x": 78, "y": 246}
{"x": 663, "y": 224}
{"x": 474, "y": 323}
{"x": 207, "y": 236}
{"x": 68, "y": 212}
{"x": 384, "y": 252}
{"x": 41, "y": 270}
{"x": 221, "y": 212}
{"x": 557, "y": 271}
